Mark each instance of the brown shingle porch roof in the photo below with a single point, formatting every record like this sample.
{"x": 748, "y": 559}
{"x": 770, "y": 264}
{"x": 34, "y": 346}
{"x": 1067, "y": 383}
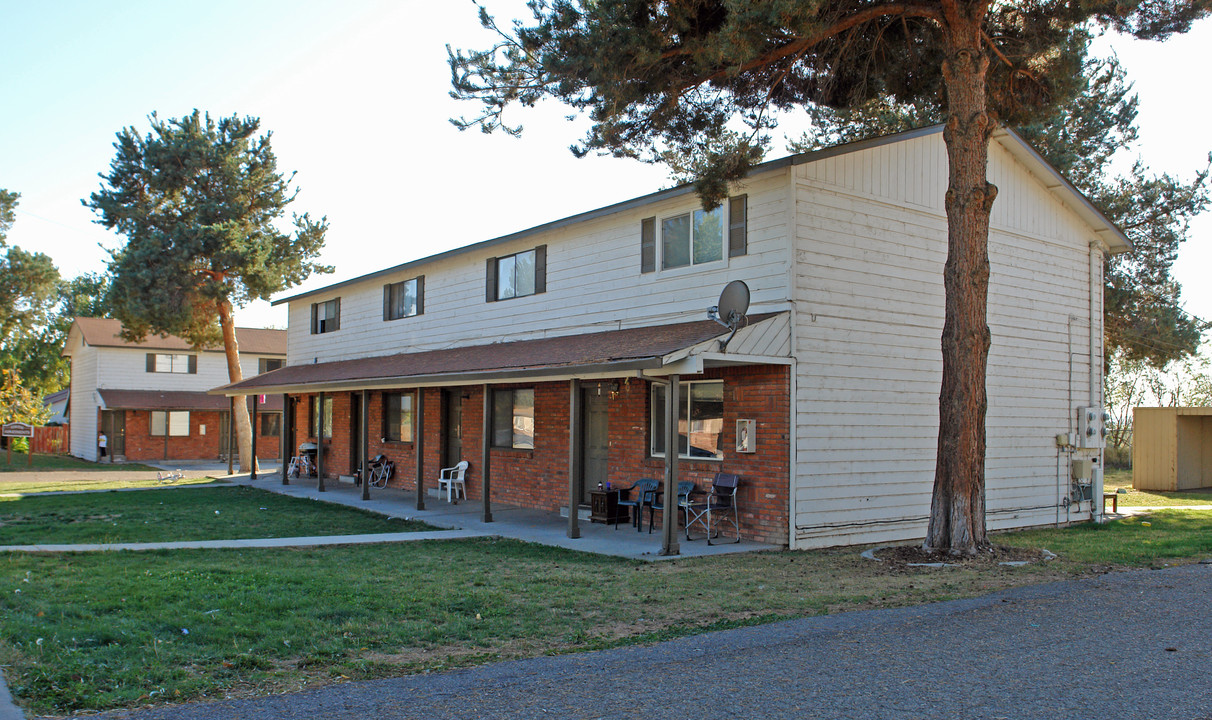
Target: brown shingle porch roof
{"x": 174, "y": 400}
{"x": 633, "y": 348}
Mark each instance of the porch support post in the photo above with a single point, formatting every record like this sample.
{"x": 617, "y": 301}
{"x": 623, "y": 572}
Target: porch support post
{"x": 574, "y": 456}
{"x": 669, "y": 516}
{"x": 285, "y": 435}
{"x": 253, "y": 463}
{"x": 364, "y": 445}
{"x": 418, "y": 444}
{"x": 320, "y": 442}
{"x": 231, "y": 428}
{"x": 485, "y": 460}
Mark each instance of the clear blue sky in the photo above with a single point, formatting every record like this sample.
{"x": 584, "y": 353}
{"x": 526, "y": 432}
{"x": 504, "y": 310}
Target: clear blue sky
{"x": 355, "y": 93}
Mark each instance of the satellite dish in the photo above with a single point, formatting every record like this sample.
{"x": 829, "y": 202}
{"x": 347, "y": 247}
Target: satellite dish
{"x": 730, "y": 312}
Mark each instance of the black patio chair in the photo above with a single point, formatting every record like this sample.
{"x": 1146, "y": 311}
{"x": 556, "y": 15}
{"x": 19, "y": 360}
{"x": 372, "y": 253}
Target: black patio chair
{"x": 644, "y": 491}
{"x": 685, "y": 489}
{"x": 719, "y": 506}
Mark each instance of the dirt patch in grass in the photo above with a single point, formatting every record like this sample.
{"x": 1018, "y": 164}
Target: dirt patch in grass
{"x": 908, "y": 558}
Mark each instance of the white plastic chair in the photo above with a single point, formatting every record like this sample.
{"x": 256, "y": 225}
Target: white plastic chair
{"x": 453, "y": 479}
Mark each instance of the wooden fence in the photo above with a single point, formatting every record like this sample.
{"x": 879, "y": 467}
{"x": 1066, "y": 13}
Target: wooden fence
{"x": 51, "y": 440}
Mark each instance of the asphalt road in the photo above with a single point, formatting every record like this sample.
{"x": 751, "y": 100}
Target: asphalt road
{"x": 1127, "y": 645}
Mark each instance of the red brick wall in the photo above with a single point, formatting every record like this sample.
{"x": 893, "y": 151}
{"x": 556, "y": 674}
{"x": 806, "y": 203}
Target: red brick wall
{"x": 142, "y": 445}
{"x": 761, "y": 393}
{"x": 538, "y": 478}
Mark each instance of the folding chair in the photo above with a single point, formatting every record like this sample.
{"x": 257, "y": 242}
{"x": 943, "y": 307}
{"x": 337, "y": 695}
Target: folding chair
{"x": 718, "y": 507}
{"x": 381, "y": 470}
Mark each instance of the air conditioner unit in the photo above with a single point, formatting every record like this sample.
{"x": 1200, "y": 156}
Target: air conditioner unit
{"x": 1091, "y": 427}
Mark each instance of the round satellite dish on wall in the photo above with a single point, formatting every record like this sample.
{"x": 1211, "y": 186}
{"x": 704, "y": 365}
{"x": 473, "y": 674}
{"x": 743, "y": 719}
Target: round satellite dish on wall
{"x": 734, "y": 303}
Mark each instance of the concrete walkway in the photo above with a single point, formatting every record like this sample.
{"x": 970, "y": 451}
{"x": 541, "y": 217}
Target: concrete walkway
{"x": 308, "y": 541}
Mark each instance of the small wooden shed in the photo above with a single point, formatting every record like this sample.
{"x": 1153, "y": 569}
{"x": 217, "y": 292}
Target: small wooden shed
{"x": 1171, "y": 448}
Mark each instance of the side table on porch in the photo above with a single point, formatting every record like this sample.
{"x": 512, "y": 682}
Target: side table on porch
{"x": 604, "y": 507}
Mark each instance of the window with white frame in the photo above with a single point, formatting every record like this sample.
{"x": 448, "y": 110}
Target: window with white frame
{"x": 695, "y": 238}
{"x": 265, "y": 365}
{"x": 180, "y": 363}
{"x": 404, "y": 299}
{"x": 692, "y": 239}
{"x": 700, "y": 419}
{"x": 513, "y": 418}
{"x": 174, "y": 423}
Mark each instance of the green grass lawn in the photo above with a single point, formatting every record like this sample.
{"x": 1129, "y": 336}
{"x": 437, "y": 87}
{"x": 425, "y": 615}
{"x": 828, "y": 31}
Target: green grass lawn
{"x": 217, "y": 513}
{"x": 22, "y": 463}
{"x": 1114, "y": 480}
{"x": 87, "y": 481}
{"x": 93, "y": 631}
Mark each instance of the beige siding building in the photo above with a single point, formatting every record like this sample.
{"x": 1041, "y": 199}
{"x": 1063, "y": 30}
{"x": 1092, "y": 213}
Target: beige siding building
{"x": 837, "y": 370}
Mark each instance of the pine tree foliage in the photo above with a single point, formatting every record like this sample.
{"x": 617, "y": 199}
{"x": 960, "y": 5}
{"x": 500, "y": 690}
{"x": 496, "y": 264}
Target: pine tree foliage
{"x": 8, "y": 212}
{"x": 199, "y": 201}
{"x": 700, "y": 79}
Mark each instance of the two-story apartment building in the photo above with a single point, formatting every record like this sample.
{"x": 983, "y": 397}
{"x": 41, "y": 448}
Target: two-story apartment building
{"x": 546, "y": 357}
{"x": 150, "y": 398}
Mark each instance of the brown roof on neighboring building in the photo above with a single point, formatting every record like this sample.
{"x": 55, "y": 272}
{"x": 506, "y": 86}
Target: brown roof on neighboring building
{"x": 106, "y": 332}
{"x": 638, "y": 347}
{"x": 175, "y": 400}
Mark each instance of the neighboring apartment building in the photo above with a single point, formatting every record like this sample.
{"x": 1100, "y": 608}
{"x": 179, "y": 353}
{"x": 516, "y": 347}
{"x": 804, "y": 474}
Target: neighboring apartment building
{"x": 150, "y": 399}
{"x": 546, "y": 354}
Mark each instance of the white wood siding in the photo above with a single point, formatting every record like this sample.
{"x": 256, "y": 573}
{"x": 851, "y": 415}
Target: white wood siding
{"x": 594, "y": 283}
{"x": 84, "y": 418}
{"x": 110, "y": 368}
{"x": 126, "y": 369}
{"x": 870, "y": 249}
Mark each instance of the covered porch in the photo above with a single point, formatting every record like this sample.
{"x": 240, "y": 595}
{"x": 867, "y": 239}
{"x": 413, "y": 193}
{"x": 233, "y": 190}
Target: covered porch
{"x": 515, "y": 523}
{"x": 544, "y": 422}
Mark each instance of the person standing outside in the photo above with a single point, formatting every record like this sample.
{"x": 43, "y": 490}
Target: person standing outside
{"x": 102, "y": 442}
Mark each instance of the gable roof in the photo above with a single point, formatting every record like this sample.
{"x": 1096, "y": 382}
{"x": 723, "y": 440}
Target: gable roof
{"x": 1115, "y": 239}
{"x": 106, "y": 332}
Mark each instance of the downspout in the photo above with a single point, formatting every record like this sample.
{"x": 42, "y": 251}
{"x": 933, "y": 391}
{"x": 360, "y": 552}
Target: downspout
{"x": 792, "y": 240}
{"x": 1096, "y": 371}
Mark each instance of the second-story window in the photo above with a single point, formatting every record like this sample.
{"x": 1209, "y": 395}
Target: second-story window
{"x": 692, "y": 239}
{"x": 404, "y": 299}
{"x": 695, "y": 238}
{"x": 517, "y": 275}
{"x": 326, "y": 316}
{"x": 172, "y": 363}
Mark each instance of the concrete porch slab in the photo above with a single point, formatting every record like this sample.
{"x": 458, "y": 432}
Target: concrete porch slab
{"x": 545, "y": 528}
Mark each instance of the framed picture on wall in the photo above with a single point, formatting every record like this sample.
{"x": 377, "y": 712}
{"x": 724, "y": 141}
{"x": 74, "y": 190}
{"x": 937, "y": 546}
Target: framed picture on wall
{"x": 746, "y": 436}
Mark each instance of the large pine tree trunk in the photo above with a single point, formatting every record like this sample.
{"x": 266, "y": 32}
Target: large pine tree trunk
{"x": 234, "y": 374}
{"x": 957, "y": 509}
